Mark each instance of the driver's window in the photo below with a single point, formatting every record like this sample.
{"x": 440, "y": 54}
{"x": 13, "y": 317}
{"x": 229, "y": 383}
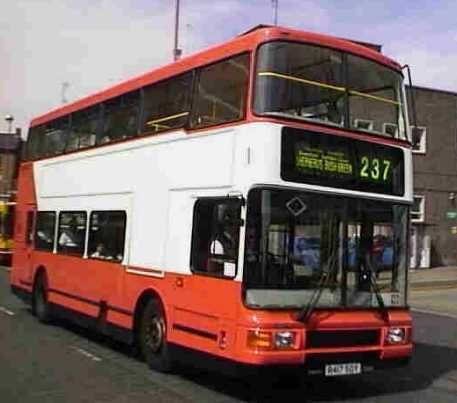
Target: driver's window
{"x": 215, "y": 237}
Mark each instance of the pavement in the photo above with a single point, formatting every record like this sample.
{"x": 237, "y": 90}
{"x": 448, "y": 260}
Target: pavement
{"x": 435, "y": 278}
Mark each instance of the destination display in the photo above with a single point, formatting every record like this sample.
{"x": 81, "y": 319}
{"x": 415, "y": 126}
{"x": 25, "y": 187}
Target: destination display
{"x": 341, "y": 162}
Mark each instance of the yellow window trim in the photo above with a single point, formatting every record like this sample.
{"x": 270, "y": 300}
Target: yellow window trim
{"x": 301, "y": 80}
{"x": 376, "y": 98}
{"x": 166, "y": 119}
{"x": 332, "y": 87}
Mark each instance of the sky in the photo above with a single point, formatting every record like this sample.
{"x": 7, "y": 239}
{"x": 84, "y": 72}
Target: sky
{"x": 55, "y": 49}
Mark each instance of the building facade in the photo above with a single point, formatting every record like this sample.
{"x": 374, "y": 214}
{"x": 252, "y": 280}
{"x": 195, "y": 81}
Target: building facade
{"x": 434, "y": 213}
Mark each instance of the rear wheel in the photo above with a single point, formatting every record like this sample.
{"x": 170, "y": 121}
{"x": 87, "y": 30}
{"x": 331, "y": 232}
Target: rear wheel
{"x": 41, "y": 307}
{"x": 152, "y": 337}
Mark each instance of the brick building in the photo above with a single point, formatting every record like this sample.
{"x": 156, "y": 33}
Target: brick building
{"x": 434, "y": 213}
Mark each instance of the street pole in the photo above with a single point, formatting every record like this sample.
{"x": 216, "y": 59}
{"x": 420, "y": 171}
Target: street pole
{"x": 176, "y": 51}
{"x": 64, "y": 88}
{"x": 275, "y": 10}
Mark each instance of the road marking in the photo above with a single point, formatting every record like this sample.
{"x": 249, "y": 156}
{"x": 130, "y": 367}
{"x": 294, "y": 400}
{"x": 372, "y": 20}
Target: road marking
{"x": 87, "y": 354}
{"x": 7, "y": 311}
{"x": 429, "y": 312}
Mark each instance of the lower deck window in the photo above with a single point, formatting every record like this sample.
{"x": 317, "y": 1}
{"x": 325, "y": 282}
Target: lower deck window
{"x": 44, "y": 230}
{"x": 72, "y": 233}
{"x": 107, "y": 235}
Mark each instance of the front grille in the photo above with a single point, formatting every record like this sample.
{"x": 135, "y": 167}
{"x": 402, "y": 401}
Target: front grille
{"x": 341, "y": 338}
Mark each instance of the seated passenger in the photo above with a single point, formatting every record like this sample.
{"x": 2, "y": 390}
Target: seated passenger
{"x": 67, "y": 238}
{"x": 100, "y": 252}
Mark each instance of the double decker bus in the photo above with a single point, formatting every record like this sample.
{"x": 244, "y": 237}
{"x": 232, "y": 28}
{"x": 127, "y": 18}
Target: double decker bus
{"x": 249, "y": 203}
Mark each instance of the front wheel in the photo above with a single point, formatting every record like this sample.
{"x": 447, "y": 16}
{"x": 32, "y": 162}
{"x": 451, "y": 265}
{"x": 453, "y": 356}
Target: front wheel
{"x": 153, "y": 338}
{"x": 41, "y": 307}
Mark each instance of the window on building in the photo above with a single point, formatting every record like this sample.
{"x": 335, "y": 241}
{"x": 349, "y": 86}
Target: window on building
{"x": 391, "y": 129}
{"x": 221, "y": 92}
{"x": 72, "y": 233}
{"x": 107, "y": 235}
{"x": 120, "y": 117}
{"x": 363, "y": 124}
{"x": 215, "y": 236}
{"x": 421, "y": 146}
{"x": 84, "y": 128}
{"x": 418, "y": 209}
{"x": 167, "y": 104}
{"x": 44, "y": 230}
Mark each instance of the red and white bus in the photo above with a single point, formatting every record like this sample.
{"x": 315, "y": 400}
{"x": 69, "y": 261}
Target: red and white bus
{"x": 249, "y": 202}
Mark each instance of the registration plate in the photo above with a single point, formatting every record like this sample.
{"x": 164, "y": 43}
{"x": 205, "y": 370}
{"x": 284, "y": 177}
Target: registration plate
{"x": 343, "y": 369}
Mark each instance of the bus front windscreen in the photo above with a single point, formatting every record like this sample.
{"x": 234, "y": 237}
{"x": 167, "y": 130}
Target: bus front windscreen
{"x": 336, "y": 251}
{"x": 318, "y": 84}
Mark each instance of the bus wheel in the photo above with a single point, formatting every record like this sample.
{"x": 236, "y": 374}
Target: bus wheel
{"x": 152, "y": 337}
{"x": 41, "y": 307}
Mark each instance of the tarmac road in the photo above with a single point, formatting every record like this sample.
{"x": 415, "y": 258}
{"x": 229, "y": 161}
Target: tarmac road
{"x": 63, "y": 363}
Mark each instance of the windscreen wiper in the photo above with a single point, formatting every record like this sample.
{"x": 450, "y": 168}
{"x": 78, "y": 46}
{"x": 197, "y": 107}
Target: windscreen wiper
{"x": 377, "y": 292}
{"x": 324, "y": 280}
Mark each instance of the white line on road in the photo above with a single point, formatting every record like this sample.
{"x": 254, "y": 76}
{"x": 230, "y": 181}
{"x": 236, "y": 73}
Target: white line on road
{"x": 447, "y": 315}
{"x": 87, "y": 354}
{"x": 7, "y": 311}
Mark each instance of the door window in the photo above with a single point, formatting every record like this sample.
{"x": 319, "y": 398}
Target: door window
{"x": 215, "y": 237}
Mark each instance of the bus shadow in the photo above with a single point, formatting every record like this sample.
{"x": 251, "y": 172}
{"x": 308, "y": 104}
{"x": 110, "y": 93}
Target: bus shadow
{"x": 429, "y": 363}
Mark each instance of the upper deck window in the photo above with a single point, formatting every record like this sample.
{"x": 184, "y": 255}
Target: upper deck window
{"x": 167, "y": 104}
{"x": 221, "y": 91}
{"x": 300, "y": 81}
{"x": 120, "y": 117}
{"x": 374, "y": 95}
{"x": 318, "y": 84}
{"x": 53, "y": 136}
{"x": 84, "y": 128}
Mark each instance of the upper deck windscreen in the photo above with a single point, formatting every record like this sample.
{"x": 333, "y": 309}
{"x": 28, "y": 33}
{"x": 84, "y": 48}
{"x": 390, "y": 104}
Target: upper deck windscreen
{"x": 319, "y": 84}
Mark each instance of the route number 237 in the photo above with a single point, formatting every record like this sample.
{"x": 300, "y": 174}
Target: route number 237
{"x": 375, "y": 168}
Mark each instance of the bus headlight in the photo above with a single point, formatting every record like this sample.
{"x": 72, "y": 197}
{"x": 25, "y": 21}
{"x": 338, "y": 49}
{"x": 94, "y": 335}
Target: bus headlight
{"x": 285, "y": 340}
{"x": 268, "y": 340}
{"x": 396, "y": 335}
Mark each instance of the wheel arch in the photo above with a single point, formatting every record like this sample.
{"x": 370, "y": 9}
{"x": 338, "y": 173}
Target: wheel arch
{"x": 39, "y": 271}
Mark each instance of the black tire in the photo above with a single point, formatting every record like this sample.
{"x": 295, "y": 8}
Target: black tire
{"x": 152, "y": 337}
{"x": 41, "y": 307}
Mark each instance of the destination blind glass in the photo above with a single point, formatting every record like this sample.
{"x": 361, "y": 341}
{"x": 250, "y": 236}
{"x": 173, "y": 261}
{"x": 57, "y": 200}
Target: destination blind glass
{"x": 327, "y": 160}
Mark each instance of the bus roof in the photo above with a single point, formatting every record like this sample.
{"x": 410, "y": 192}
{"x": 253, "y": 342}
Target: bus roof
{"x": 245, "y": 42}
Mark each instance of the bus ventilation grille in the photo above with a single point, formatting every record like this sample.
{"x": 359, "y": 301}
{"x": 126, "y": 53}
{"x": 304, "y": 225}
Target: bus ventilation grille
{"x": 346, "y": 338}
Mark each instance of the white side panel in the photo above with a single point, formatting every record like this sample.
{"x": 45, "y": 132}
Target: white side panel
{"x": 146, "y": 171}
{"x": 179, "y": 231}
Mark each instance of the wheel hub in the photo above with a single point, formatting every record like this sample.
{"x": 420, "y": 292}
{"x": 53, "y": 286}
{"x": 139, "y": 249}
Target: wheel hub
{"x": 154, "y": 334}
